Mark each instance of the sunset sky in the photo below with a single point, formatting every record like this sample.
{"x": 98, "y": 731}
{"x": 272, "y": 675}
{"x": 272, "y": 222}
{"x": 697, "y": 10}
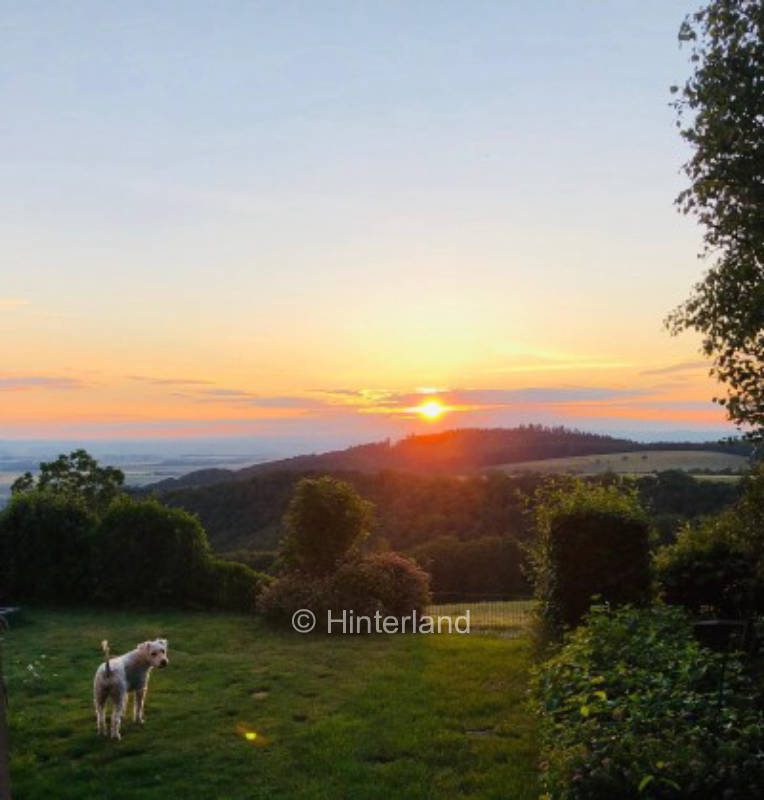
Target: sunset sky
{"x": 274, "y": 219}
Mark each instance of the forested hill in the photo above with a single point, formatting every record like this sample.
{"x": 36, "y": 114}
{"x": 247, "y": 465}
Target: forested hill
{"x": 458, "y": 451}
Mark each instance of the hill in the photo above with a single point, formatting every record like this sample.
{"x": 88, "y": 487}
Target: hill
{"x": 413, "y": 509}
{"x": 460, "y": 451}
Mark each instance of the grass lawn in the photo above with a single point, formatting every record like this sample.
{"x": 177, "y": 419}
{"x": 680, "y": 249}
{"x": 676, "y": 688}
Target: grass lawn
{"x": 335, "y": 716}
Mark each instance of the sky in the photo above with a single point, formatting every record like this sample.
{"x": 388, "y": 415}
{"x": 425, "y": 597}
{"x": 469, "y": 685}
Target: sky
{"x": 308, "y": 219}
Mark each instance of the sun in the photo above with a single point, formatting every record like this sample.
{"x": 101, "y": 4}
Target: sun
{"x": 431, "y": 409}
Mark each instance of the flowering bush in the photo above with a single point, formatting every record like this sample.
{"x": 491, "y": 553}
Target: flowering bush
{"x": 384, "y": 582}
{"x": 292, "y": 592}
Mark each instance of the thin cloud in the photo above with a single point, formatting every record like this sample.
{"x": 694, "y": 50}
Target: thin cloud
{"x": 25, "y": 384}
{"x": 240, "y": 397}
{"x": 170, "y": 381}
{"x": 681, "y": 367}
{"x": 13, "y": 302}
{"x": 473, "y": 399}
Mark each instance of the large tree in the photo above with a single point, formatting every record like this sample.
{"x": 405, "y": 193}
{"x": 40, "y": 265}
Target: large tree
{"x": 720, "y": 112}
{"x": 77, "y": 475}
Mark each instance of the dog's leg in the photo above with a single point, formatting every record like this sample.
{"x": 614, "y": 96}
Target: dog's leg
{"x": 100, "y": 710}
{"x": 120, "y": 701}
{"x": 140, "y": 699}
{"x": 99, "y": 701}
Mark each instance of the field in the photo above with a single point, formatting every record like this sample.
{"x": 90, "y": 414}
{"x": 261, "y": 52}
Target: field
{"x": 333, "y": 716}
{"x": 634, "y": 463}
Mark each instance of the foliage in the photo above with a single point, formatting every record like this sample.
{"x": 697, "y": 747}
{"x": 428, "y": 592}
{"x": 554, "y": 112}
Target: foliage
{"x": 233, "y": 586}
{"x": 591, "y": 539}
{"x": 45, "y": 540}
{"x": 291, "y": 592}
{"x": 412, "y": 510}
{"x": 718, "y": 563}
{"x": 325, "y": 520}
{"x": 55, "y": 551}
{"x": 149, "y": 555}
{"x": 384, "y": 582}
{"x": 487, "y": 565}
{"x": 258, "y": 560}
{"x": 77, "y": 475}
{"x": 631, "y": 707}
{"x": 721, "y": 114}
{"x": 708, "y": 569}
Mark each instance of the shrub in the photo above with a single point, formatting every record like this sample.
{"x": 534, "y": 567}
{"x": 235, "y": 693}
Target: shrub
{"x": 150, "y": 555}
{"x": 718, "y": 563}
{"x": 324, "y": 521}
{"x": 45, "y": 545}
{"x": 258, "y": 560}
{"x": 708, "y": 568}
{"x": 233, "y": 586}
{"x": 591, "y": 539}
{"x": 291, "y": 592}
{"x": 385, "y": 582}
{"x": 631, "y": 707}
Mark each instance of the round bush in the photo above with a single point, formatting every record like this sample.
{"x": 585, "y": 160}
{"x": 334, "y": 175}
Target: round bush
{"x": 150, "y": 555}
{"x": 291, "y": 592}
{"x": 385, "y": 582}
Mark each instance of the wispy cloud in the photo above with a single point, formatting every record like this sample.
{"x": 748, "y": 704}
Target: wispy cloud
{"x": 244, "y": 398}
{"x": 473, "y": 399}
{"x": 13, "y": 302}
{"x": 170, "y": 381}
{"x": 24, "y": 384}
{"x": 683, "y": 366}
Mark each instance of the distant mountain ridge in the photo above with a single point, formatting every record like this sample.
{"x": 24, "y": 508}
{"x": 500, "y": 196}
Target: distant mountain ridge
{"x": 458, "y": 451}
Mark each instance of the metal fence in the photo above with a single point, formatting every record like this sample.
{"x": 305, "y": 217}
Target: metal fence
{"x": 488, "y": 612}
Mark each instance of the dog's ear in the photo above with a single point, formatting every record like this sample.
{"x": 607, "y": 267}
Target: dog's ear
{"x": 144, "y": 646}
{"x": 163, "y": 642}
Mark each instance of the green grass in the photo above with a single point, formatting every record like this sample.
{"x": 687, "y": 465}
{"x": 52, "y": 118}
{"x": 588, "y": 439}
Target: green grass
{"x": 633, "y": 463}
{"x": 336, "y": 716}
{"x": 489, "y": 615}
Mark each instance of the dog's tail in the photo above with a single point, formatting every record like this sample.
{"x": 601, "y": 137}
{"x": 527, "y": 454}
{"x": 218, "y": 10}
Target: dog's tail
{"x": 105, "y": 648}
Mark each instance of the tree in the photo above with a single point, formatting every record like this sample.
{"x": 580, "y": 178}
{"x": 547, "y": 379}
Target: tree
{"x": 77, "y": 475}
{"x": 720, "y": 112}
{"x": 325, "y": 519}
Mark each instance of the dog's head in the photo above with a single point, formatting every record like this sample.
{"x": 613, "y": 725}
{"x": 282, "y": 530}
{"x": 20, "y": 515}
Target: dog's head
{"x": 156, "y": 652}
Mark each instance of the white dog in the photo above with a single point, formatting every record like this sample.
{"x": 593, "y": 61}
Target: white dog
{"x": 126, "y": 673}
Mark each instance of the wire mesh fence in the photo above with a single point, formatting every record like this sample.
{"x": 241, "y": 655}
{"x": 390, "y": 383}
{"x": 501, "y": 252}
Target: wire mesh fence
{"x": 489, "y": 612}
